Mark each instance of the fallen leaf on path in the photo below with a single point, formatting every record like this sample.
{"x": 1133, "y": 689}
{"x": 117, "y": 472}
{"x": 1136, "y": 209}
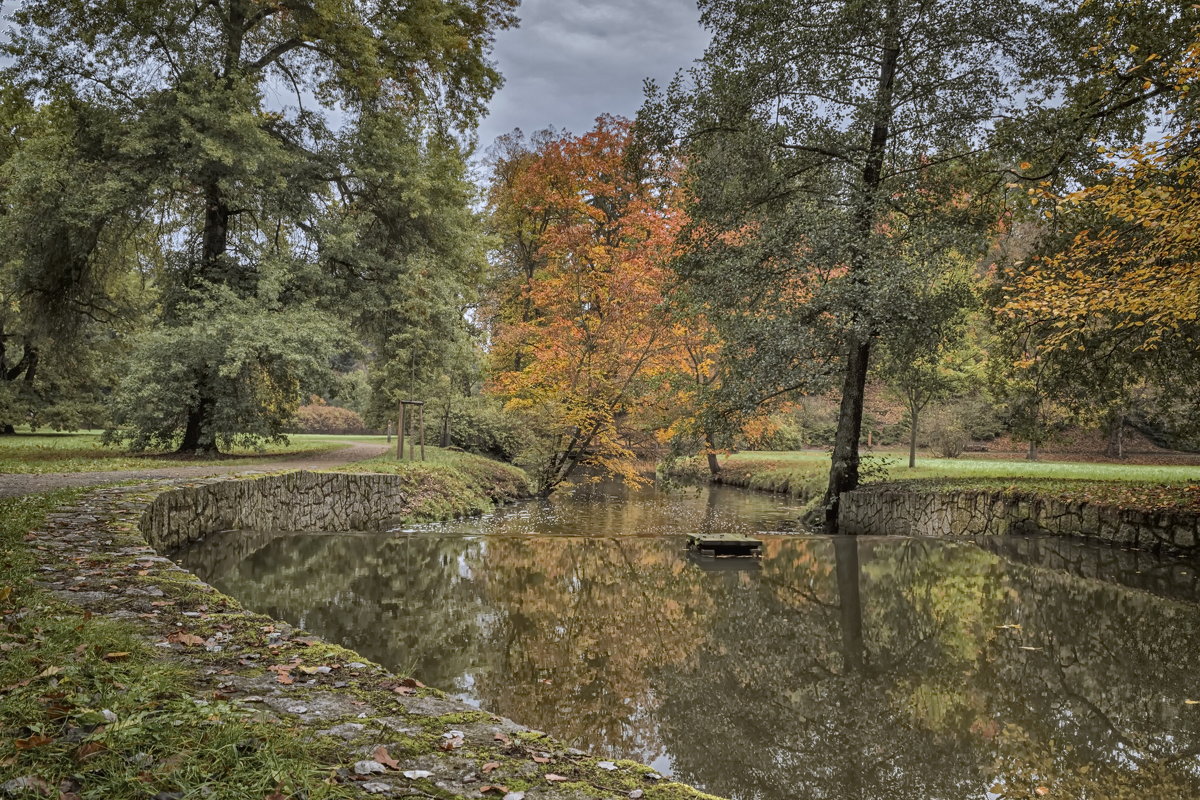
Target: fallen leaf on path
{"x": 500, "y": 737}
{"x": 541, "y": 760}
{"x": 488, "y": 767}
{"x": 415, "y": 774}
{"x": 381, "y": 755}
{"x": 553, "y": 778}
{"x": 497, "y": 789}
{"x": 116, "y": 656}
{"x": 186, "y": 639}
{"x": 89, "y": 749}
{"x": 1041, "y": 791}
{"x": 37, "y": 740}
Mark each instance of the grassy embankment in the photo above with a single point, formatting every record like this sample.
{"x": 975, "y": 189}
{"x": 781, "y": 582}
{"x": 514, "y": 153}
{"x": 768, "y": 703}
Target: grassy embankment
{"x": 450, "y": 483}
{"x": 88, "y": 709}
{"x": 26, "y": 453}
{"x": 803, "y": 473}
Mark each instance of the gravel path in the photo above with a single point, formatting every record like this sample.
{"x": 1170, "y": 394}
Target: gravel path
{"x": 15, "y": 485}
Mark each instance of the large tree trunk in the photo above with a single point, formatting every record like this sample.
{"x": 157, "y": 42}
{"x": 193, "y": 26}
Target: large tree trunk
{"x": 711, "y": 452}
{"x": 843, "y": 473}
{"x": 200, "y": 435}
{"x": 1032, "y": 454}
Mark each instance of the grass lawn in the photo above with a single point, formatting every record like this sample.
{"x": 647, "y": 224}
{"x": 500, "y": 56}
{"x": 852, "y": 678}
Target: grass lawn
{"x": 817, "y": 461}
{"x": 86, "y": 701}
{"x": 1149, "y": 487}
{"x": 26, "y": 453}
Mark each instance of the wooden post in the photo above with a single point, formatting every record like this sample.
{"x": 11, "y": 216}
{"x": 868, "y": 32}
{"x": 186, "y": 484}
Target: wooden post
{"x": 422, "y": 431}
{"x": 400, "y": 435}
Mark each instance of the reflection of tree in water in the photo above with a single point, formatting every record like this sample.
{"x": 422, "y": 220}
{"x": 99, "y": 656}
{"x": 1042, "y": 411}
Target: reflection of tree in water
{"x": 836, "y": 668}
{"x": 582, "y": 626}
{"x": 940, "y": 702}
{"x": 408, "y": 602}
{"x": 1109, "y": 670}
{"x": 793, "y": 702}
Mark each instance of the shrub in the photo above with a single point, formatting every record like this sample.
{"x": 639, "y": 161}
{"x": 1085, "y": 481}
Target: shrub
{"x": 320, "y": 417}
{"x": 948, "y": 432}
{"x": 480, "y": 425}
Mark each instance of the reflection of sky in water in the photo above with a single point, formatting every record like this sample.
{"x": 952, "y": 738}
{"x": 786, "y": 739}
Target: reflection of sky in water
{"x": 833, "y": 668}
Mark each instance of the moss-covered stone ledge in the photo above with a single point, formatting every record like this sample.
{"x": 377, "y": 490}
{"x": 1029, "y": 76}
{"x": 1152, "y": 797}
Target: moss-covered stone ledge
{"x": 390, "y": 736}
{"x": 930, "y": 510}
{"x": 293, "y": 501}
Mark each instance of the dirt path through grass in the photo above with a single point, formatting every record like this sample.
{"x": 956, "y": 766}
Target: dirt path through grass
{"x": 21, "y": 484}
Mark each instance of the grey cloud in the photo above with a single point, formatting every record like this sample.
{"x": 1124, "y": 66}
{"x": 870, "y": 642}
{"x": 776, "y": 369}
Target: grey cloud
{"x": 572, "y": 60}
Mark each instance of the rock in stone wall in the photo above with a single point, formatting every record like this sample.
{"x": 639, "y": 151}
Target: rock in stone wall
{"x": 295, "y": 501}
{"x": 890, "y": 510}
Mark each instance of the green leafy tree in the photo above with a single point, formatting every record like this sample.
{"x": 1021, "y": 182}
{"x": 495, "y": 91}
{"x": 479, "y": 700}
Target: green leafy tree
{"x": 926, "y": 356}
{"x": 820, "y": 137}
{"x": 67, "y": 240}
{"x": 235, "y": 187}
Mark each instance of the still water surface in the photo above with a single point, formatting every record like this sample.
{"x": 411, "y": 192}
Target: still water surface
{"x": 833, "y": 668}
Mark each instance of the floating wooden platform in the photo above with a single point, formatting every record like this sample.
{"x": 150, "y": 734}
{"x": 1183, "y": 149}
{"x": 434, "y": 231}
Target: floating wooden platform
{"x": 725, "y": 544}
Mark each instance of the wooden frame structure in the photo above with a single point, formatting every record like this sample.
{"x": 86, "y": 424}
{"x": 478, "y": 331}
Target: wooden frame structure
{"x": 400, "y": 430}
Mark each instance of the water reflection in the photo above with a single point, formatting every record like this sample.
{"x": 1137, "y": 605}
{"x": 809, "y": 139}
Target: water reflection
{"x": 836, "y": 668}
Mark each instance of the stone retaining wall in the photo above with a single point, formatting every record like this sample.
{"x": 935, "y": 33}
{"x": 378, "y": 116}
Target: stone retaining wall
{"x": 295, "y": 501}
{"x": 891, "y": 510}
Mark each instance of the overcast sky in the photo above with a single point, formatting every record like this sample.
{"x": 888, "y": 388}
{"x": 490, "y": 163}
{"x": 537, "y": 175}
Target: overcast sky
{"x": 572, "y": 60}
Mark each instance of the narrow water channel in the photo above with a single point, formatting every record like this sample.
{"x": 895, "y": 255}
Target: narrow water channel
{"x": 833, "y": 667}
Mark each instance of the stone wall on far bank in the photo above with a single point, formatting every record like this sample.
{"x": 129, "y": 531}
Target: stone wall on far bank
{"x": 904, "y": 511}
{"x": 294, "y": 501}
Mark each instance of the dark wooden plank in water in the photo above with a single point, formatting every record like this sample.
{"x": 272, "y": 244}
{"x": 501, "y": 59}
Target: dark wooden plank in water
{"x": 724, "y": 544}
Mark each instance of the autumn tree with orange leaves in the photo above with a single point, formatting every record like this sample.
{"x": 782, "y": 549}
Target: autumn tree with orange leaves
{"x": 585, "y": 345}
{"x": 1116, "y": 306}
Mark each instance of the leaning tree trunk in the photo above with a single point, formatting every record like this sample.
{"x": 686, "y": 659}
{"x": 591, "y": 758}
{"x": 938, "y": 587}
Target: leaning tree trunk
{"x": 843, "y": 473}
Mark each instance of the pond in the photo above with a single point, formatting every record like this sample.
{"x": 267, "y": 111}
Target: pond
{"x": 834, "y": 667}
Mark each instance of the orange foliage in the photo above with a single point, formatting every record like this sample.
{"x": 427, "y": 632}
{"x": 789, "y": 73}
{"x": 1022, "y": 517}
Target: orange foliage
{"x": 588, "y": 341}
{"x": 1136, "y": 266}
